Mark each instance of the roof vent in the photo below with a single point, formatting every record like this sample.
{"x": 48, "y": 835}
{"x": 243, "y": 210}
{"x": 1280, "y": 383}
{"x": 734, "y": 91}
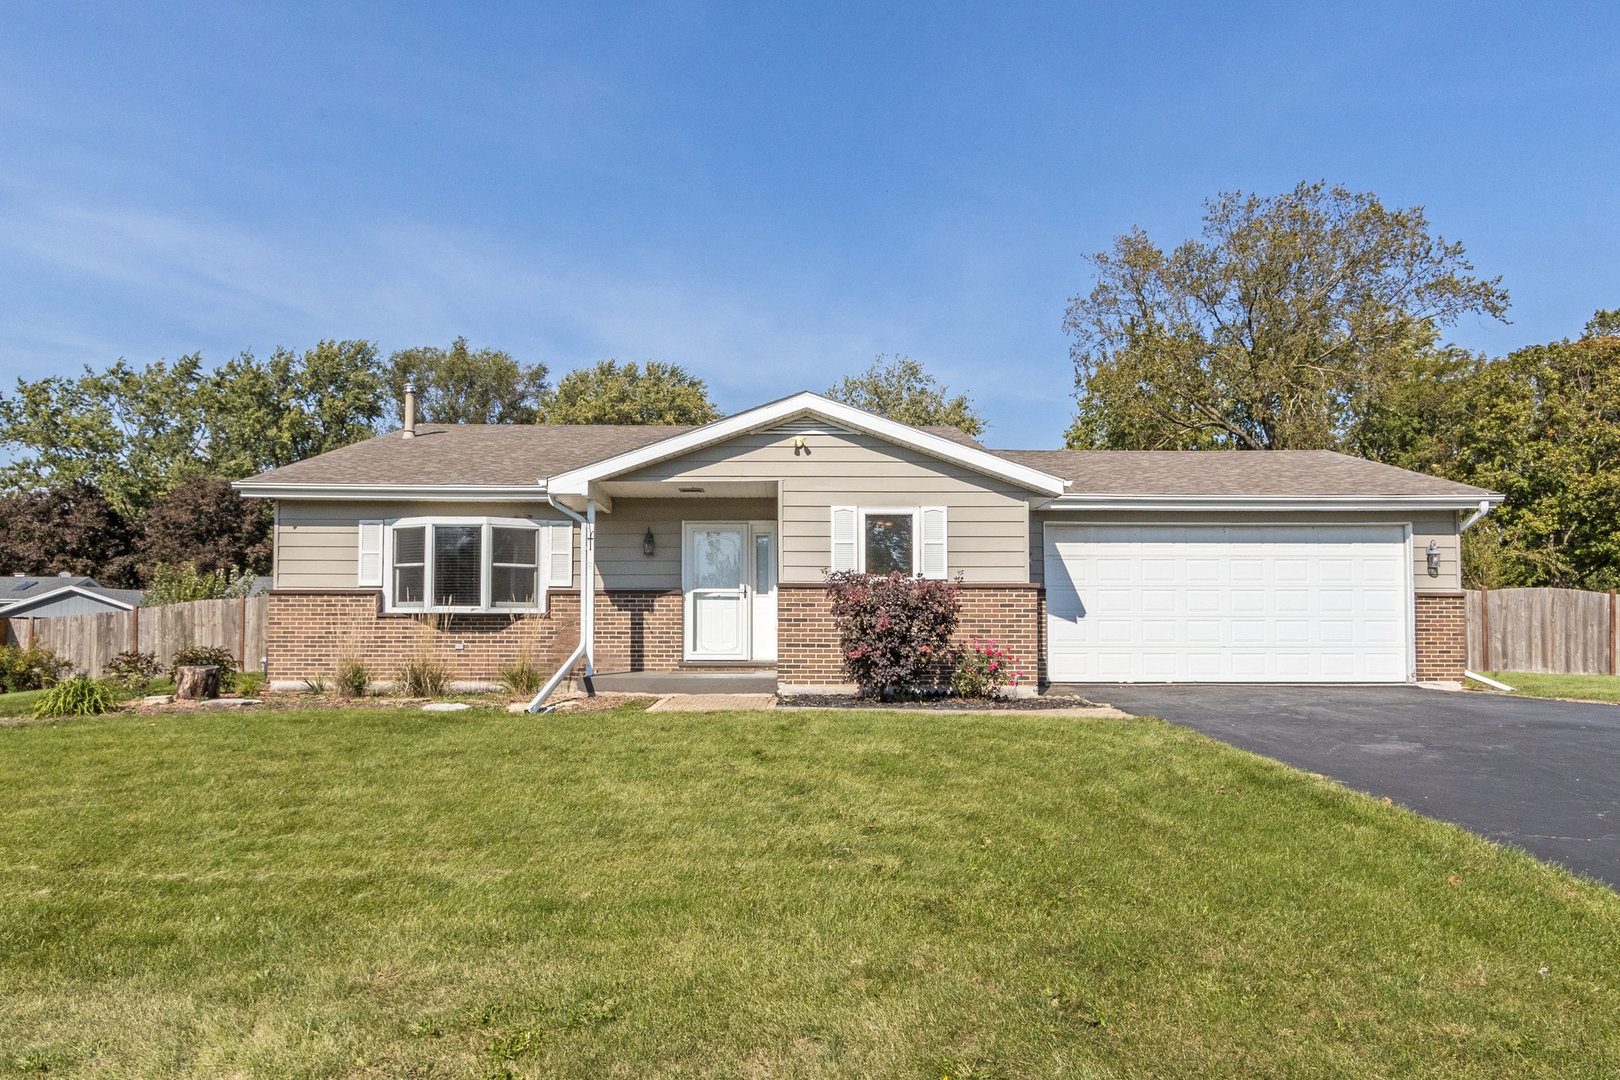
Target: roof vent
{"x": 410, "y": 412}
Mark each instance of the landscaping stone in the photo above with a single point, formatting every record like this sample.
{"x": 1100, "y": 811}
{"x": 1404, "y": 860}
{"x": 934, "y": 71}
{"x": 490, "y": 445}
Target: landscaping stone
{"x": 232, "y": 702}
{"x": 157, "y": 699}
{"x": 446, "y": 706}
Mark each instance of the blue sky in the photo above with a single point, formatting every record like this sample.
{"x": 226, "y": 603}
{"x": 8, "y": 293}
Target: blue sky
{"x": 766, "y": 195}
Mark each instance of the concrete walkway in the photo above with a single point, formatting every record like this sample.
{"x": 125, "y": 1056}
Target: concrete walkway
{"x": 712, "y": 702}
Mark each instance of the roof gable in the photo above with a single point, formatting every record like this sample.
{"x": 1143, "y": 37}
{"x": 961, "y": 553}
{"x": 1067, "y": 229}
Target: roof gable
{"x": 793, "y": 411}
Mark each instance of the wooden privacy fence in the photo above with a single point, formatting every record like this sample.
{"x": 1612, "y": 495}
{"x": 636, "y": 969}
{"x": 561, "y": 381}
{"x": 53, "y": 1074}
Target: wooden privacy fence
{"x": 89, "y": 641}
{"x": 1557, "y": 631}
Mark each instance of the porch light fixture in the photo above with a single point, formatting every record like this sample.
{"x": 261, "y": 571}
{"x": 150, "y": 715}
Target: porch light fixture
{"x": 1432, "y": 556}
{"x": 647, "y": 542}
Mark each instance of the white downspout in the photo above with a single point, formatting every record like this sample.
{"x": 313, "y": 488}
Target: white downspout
{"x": 1484, "y": 508}
{"x": 587, "y": 604}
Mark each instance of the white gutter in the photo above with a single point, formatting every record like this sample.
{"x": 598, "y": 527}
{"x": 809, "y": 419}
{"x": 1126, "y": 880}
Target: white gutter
{"x": 1250, "y": 503}
{"x": 1492, "y": 683}
{"x": 459, "y": 492}
{"x": 587, "y": 604}
{"x": 1484, "y": 508}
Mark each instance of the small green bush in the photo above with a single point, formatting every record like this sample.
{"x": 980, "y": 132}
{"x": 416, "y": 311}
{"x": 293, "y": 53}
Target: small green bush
{"x": 248, "y": 683}
{"x": 33, "y": 668}
{"x": 425, "y": 676}
{"x": 522, "y": 677}
{"x": 78, "y": 696}
{"x": 352, "y": 678}
{"x": 133, "y": 670}
{"x": 315, "y": 686}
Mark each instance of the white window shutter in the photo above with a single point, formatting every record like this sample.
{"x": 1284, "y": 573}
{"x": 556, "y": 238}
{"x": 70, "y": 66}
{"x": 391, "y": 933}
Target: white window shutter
{"x": 559, "y": 554}
{"x": 371, "y": 554}
{"x": 933, "y": 542}
{"x": 843, "y": 538}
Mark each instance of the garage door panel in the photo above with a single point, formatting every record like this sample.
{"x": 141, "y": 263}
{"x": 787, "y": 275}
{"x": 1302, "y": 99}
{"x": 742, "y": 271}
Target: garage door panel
{"x": 1227, "y": 603}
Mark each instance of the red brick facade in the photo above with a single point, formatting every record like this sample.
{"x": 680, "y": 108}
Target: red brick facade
{"x": 1441, "y": 621}
{"x": 309, "y": 632}
{"x": 807, "y": 646}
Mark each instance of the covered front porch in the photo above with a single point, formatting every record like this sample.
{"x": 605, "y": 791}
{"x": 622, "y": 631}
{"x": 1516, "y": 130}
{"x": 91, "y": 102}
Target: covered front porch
{"x": 685, "y": 579}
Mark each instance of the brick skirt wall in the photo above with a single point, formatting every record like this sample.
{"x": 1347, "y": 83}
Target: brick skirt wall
{"x": 310, "y": 632}
{"x": 807, "y": 638}
{"x": 1441, "y": 622}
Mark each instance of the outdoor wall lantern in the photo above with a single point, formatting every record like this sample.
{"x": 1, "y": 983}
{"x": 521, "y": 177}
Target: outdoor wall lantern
{"x": 1432, "y": 554}
{"x": 647, "y": 542}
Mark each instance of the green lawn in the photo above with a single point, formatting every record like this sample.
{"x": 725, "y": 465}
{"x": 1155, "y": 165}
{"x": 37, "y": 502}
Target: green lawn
{"x": 1583, "y": 687}
{"x": 806, "y": 894}
{"x": 19, "y": 704}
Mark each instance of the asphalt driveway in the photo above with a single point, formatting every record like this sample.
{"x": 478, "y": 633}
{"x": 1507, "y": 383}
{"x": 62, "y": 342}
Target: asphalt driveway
{"x": 1542, "y": 775}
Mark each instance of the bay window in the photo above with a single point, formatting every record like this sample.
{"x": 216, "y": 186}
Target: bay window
{"x": 474, "y": 564}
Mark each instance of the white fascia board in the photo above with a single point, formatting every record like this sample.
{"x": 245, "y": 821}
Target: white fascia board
{"x": 578, "y": 481}
{"x": 1252, "y": 503}
{"x": 36, "y": 601}
{"x": 448, "y": 492}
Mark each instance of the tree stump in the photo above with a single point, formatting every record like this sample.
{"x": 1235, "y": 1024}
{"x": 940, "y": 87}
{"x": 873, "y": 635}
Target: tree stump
{"x": 195, "y": 683}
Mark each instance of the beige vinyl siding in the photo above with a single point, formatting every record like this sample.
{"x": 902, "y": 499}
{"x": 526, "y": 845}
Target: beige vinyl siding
{"x": 318, "y": 540}
{"x": 1438, "y": 525}
{"x": 620, "y": 561}
{"x": 987, "y": 520}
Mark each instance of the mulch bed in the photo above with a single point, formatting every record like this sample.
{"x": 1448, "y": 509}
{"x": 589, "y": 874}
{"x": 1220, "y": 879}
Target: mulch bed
{"x": 936, "y": 704}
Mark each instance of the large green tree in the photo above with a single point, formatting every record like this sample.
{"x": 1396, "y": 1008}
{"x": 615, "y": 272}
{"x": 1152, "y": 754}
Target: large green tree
{"x": 460, "y": 385}
{"x": 898, "y": 387}
{"x": 1277, "y": 329}
{"x": 1542, "y": 426}
{"x": 135, "y": 433}
{"x": 614, "y": 393}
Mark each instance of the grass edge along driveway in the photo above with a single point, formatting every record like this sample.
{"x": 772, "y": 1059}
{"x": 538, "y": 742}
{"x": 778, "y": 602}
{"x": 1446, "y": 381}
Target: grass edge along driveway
{"x": 1566, "y": 687}
{"x": 805, "y": 894}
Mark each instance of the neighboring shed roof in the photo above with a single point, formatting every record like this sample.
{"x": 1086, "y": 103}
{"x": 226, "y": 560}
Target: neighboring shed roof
{"x": 27, "y": 586}
{"x": 495, "y": 455}
{"x": 53, "y": 592}
{"x": 1239, "y": 473}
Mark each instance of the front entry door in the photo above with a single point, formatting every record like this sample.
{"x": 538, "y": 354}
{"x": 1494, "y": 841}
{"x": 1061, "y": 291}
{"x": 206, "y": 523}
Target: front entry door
{"x": 716, "y": 569}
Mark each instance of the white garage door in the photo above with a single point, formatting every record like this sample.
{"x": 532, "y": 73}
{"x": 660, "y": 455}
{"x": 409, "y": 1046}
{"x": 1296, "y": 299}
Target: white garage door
{"x": 1269, "y": 603}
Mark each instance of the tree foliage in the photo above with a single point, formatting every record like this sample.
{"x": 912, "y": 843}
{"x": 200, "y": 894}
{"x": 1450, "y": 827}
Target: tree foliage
{"x": 614, "y": 393}
{"x": 72, "y": 529}
{"x": 898, "y": 387}
{"x": 135, "y": 433}
{"x": 204, "y": 523}
{"x": 186, "y": 582}
{"x": 460, "y": 385}
{"x": 1278, "y": 329}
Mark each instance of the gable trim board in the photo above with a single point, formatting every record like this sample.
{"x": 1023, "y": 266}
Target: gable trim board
{"x": 577, "y": 482}
{"x": 57, "y": 594}
{"x": 1259, "y": 503}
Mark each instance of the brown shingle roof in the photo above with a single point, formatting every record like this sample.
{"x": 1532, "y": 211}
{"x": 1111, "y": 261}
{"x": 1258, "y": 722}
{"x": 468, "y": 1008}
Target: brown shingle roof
{"x": 1230, "y": 472}
{"x": 499, "y": 455}
{"x": 494, "y": 454}
{"x": 504, "y": 455}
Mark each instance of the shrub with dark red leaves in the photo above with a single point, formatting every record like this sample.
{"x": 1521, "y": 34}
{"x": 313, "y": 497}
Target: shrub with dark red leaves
{"x": 894, "y": 630}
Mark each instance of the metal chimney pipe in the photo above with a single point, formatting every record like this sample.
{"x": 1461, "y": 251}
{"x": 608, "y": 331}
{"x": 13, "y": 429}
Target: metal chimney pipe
{"x": 410, "y": 412}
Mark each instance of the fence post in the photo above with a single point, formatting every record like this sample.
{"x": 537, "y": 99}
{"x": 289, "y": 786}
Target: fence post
{"x": 31, "y": 629}
{"x": 135, "y": 629}
{"x": 241, "y": 634}
{"x": 1613, "y": 655}
{"x": 1485, "y": 627}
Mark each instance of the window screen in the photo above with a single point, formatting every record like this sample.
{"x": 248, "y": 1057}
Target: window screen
{"x": 514, "y": 565}
{"x": 410, "y": 549}
{"x": 888, "y": 543}
{"x": 457, "y": 576}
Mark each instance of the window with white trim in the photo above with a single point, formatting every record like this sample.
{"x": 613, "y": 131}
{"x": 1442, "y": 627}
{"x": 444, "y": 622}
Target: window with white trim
{"x": 885, "y": 540}
{"x": 474, "y": 564}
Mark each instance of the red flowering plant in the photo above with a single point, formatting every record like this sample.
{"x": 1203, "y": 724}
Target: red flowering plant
{"x": 894, "y": 631}
{"x": 983, "y": 669}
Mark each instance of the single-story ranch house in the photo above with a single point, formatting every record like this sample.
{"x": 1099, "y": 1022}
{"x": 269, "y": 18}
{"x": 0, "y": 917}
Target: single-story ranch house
{"x": 693, "y": 547}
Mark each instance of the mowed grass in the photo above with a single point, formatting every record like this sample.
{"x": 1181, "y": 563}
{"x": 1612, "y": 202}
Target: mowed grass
{"x": 778, "y": 894}
{"x": 1580, "y": 687}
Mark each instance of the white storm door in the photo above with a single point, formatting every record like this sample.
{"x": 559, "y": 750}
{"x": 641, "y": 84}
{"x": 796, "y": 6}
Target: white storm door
{"x": 763, "y": 569}
{"x": 716, "y": 565}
